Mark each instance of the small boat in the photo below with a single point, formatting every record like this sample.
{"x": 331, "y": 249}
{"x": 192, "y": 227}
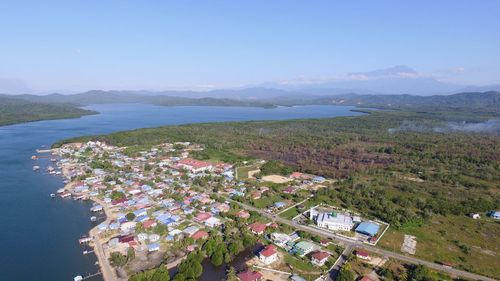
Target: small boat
{"x": 50, "y": 169}
{"x": 36, "y": 168}
{"x": 78, "y": 278}
{"x": 52, "y": 195}
{"x": 93, "y": 218}
{"x": 60, "y": 190}
{"x": 33, "y": 157}
{"x": 53, "y": 159}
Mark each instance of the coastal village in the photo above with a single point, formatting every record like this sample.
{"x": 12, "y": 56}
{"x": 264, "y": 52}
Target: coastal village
{"x": 154, "y": 207}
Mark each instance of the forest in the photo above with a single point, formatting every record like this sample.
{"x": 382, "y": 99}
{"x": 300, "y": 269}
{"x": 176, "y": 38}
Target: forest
{"x": 13, "y": 111}
{"x": 386, "y": 169}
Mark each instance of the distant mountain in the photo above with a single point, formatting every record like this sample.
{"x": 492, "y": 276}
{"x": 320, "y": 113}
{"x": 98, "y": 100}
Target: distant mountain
{"x": 158, "y": 98}
{"x": 395, "y": 80}
{"x": 486, "y": 101}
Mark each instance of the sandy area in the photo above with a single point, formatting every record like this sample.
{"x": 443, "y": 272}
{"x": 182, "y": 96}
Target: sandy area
{"x": 252, "y": 173}
{"x": 276, "y": 179}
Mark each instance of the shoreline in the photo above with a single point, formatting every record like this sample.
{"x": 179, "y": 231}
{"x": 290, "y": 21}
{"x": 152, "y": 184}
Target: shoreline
{"x": 107, "y": 271}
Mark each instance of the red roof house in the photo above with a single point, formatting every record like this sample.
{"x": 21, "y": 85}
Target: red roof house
{"x": 243, "y": 214}
{"x": 203, "y": 216}
{"x": 257, "y": 228}
{"x": 149, "y": 223}
{"x": 248, "y": 275}
{"x": 200, "y": 234}
{"x": 319, "y": 257}
{"x": 362, "y": 255}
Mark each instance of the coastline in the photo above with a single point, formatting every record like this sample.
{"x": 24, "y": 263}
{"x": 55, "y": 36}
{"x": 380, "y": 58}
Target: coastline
{"x": 108, "y": 273}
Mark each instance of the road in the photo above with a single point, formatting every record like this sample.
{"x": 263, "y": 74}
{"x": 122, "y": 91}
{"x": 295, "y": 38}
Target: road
{"x": 360, "y": 245}
{"x": 108, "y": 272}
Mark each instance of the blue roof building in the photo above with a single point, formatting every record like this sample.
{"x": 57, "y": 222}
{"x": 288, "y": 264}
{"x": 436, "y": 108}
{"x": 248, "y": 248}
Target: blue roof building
{"x": 279, "y": 204}
{"x": 368, "y": 228}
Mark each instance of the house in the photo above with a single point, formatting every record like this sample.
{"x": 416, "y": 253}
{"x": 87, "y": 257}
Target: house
{"x": 280, "y": 239}
{"x": 203, "y": 216}
{"x": 212, "y": 222}
{"x": 319, "y": 258}
{"x": 365, "y": 278}
{"x": 279, "y": 205}
{"x": 368, "y": 228}
{"x": 303, "y": 248}
{"x": 333, "y": 220}
{"x": 257, "y": 228}
{"x": 474, "y": 216}
{"x": 149, "y": 224}
{"x": 200, "y": 234}
{"x": 289, "y": 190}
{"x": 153, "y": 247}
{"x": 194, "y": 166}
{"x": 295, "y": 175}
{"x": 363, "y": 255}
{"x": 256, "y": 195}
{"x": 248, "y": 275}
{"x": 268, "y": 255}
{"x": 243, "y": 214}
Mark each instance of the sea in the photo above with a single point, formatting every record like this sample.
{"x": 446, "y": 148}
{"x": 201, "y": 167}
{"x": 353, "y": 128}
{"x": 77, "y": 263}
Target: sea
{"x": 39, "y": 234}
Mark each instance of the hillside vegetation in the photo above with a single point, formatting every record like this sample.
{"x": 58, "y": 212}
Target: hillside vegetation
{"x": 14, "y": 111}
{"x": 403, "y": 177}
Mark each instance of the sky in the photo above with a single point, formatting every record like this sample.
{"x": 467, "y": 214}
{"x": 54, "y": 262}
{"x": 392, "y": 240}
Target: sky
{"x": 70, "y": 46}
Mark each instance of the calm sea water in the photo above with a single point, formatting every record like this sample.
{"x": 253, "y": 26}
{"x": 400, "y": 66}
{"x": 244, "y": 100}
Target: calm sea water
{"x": 38, "y": 234}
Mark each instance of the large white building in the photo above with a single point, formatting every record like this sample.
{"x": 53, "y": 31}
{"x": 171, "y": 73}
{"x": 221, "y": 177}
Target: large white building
{"x": 333, "y": 220}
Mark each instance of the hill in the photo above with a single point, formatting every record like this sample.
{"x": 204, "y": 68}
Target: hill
{"x": 14, "y": 111}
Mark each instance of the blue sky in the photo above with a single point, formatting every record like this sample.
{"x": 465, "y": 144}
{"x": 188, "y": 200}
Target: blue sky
{"x": 81, "y": 45}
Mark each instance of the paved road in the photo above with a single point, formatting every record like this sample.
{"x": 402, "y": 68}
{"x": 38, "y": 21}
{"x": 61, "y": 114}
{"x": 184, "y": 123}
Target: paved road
{"x": 360, "y": 245}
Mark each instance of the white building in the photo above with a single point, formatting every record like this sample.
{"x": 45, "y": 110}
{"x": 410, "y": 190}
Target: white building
{"x": 333, "y": 220}
{"x": 268, "y": 255}
{"x": 212, "y": 222}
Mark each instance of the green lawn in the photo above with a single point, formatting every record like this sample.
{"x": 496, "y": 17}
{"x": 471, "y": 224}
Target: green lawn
{"x": 242, "y": 172}
{"x": 473, "y": 245}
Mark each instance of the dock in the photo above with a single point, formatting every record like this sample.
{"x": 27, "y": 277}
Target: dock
{"x": 88, "y": 276}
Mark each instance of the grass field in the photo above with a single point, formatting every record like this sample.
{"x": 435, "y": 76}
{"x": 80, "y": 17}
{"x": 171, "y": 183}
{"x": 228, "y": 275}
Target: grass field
{"x": 242, "y": 172}
{"x": 267, "y": 201}
{"x": 473, "y": 245}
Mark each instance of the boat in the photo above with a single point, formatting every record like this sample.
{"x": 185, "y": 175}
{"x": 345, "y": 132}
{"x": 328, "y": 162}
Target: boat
{"x": 60, "y": 190}
{"x": 33, "y": 157}
{"x": 53, "y": 159}
{"x": 52, "y": 195}
{"x": 78, "y": 278}
{"x": 36, "y": 168}
{"x": 93, "y": 218}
